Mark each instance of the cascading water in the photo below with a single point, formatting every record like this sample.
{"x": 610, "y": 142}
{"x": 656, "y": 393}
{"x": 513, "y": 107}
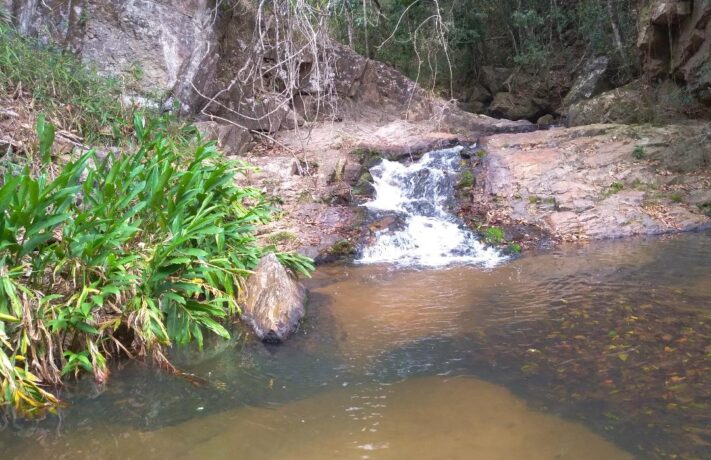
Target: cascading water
{"x": 420, "y": 194}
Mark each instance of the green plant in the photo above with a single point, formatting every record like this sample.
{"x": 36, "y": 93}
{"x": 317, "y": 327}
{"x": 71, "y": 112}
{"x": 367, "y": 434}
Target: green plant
{"x": 515, "y": 248}
{"x": 466, "y": 180}
{"x": 494, "y": 235}
{"x": 123, "y": 254}
{"x": 615, "y": 187}
{"x": 533, "y": 199}
{"x": 638, "y": 153}
{"x": 705, "y": 208}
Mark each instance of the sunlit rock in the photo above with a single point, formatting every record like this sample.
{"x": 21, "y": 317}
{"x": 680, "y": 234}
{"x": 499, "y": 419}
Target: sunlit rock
{"x": 274, "y": 301}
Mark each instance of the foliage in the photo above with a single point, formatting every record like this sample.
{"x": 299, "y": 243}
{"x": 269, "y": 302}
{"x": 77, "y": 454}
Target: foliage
{"x": 120, "y": 254}
{"x": 494, "y": 235}
{"x": 73, "y": 95}
{"x": 427, "y": 39}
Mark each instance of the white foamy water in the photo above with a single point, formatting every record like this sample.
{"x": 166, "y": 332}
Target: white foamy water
{"x": 420, "y": 193}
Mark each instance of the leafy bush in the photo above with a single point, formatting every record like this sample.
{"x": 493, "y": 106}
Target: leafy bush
{"x": 120, "y": 254}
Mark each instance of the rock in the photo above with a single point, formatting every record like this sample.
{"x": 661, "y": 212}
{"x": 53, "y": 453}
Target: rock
{"x": 585, "y": 183}
{"x": 674, "y": 40}
{"x": 231, "y": 139}
{"x": 274, "y": 302}
{"x": 591, "y": 82}
{"x": 514, "y": 107}
{"x": 292, "y": 120}
{"x": 157, "y": 47}
{"x": 493, "y": 78}
{"x": 621, "y": 105}
{"x": 546, "y": 120}
{"x": 472, "y": 106}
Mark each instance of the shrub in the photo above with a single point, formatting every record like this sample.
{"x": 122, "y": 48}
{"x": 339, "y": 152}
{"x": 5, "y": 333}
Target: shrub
{"x": 124, "y": 254}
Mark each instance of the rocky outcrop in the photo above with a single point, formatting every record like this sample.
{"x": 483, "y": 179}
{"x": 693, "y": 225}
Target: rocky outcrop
{"x": 599, "y": 181}
{"x": 159, "y": 47}
{"x": 274, "y": 301}
{"x": 628, "y": 104}
{"x": 675, "y": 42}
{"x": 591, "y": 81}
{"x": 638, "y": 102}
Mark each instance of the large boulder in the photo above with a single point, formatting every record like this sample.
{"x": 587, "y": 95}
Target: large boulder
{"x": 626, "y": 104}
{"x": 159, "y": 47}
{"x": 516, "y": 106}
{"x": 274, "y": 301}
{"x": 494, "y": 78}
{"x": 591, "y": 82}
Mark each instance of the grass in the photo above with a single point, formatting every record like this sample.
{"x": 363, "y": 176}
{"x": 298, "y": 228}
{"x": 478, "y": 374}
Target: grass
{"x": 74, "y": 97}
{"x": 676, "y": 197}
{"x": 120, "y": 255}
{"x": 615, "y": 187}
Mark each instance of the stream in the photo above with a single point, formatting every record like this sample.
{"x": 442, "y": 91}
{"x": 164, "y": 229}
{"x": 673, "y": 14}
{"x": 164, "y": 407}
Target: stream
{"x": 596, "y": 351}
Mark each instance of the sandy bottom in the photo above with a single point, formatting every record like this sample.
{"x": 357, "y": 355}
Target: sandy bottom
{"x": 427, "y": 418}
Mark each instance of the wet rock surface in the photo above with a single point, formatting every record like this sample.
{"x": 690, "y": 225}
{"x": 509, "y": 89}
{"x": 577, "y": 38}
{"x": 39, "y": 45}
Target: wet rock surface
{"x": 599, "y": 181}
{"x": 274, "y": 301}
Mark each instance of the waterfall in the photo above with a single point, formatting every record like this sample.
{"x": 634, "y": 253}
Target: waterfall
{"x": 420, "y": 196}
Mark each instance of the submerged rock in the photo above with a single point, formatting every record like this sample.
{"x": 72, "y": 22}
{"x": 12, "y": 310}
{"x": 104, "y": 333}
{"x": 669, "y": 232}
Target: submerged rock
{"x": 274, "y": 302}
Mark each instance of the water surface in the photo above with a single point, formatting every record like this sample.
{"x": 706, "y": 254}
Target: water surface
{"x": 595, "y": 351}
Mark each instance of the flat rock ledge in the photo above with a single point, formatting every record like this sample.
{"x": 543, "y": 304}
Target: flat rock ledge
{"x": 598, "y": 181}
{"x": 274, "y": 301}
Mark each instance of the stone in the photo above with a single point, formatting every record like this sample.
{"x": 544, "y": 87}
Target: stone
{"x": 493, "y": 78}
{"x": 561, "y": 181}
{"x": 274, "y": 302}
{"x": 621, "y": 105}
{"x": 674, "y": 40}
{"x": 591, "y": 82}
{"x": 231, "y": 139}
{"x": 292, "y": 120}
{"x": 514, "y": 107}
{"x": 546, "y": 120}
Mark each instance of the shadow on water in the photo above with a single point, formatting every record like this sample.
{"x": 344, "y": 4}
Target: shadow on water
{"x": 614, "y": 335}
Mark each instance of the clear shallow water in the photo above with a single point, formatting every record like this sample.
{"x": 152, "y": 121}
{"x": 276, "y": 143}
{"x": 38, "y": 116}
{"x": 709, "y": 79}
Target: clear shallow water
{"x": 599, "y": 351}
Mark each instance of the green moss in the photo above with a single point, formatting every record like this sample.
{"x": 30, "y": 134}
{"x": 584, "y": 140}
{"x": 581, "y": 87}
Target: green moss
{"x": 281, "y": 237}
{"x": 676, "y": 197}
{"x": 342, "y": 248}
{"x": 494, "y": 235}
{"x": 466, "y": 180}
{"x": 533, "y": 199}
